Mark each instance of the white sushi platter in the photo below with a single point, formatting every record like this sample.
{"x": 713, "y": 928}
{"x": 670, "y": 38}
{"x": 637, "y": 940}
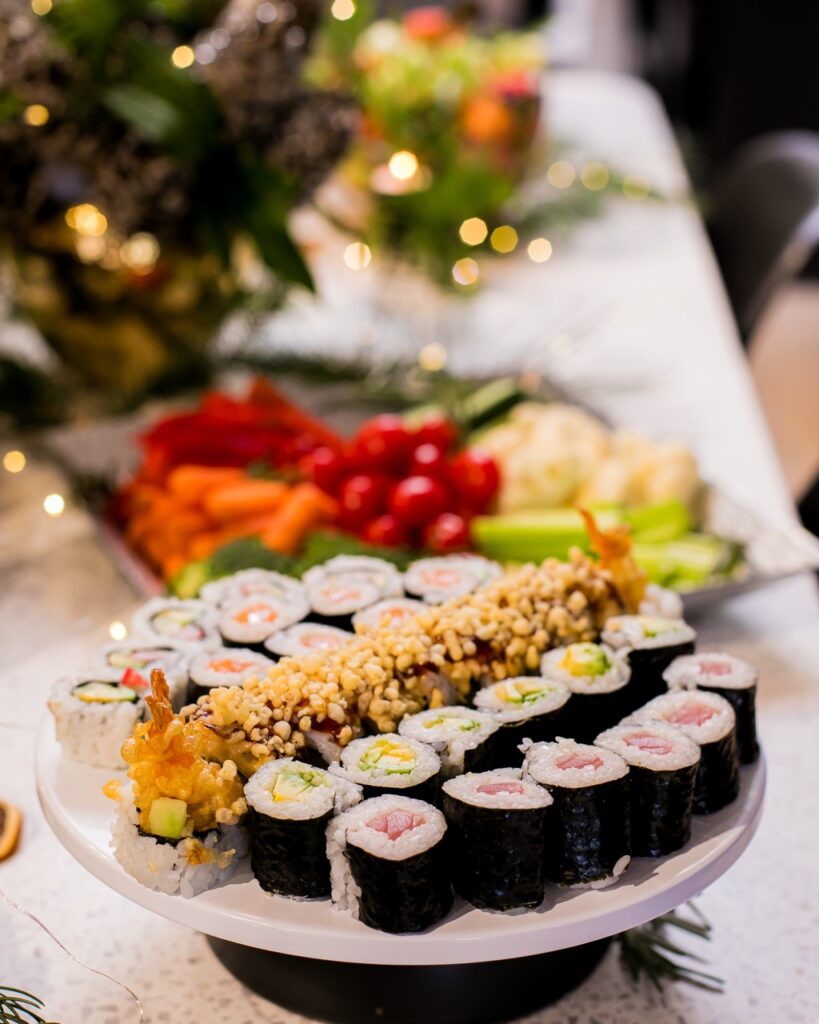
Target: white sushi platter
{"x": 240, "y": 912}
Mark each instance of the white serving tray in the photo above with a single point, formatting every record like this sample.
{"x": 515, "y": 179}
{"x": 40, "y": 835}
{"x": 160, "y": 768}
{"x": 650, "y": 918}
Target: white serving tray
{"x": 240, "y": 912}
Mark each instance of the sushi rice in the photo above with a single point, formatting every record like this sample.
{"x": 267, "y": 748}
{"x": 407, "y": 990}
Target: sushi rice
{"x": 455, "y": 733}
{"x": 252, "y": 583}
{"x": 92, "y": 729}
{"x": 169, "y": 618}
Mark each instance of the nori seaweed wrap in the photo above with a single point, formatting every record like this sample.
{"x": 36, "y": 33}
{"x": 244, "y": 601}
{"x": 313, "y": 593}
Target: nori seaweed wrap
{"x": 598, "y": 678}
{"x": 663, "y": 765}
{"x": 224, "y": 666}
{"x": 496, "y": 837}
{"x": 290, "y": 804}
{"x": 389, "y": 864}
{"x": 460, "y": 736}
{"x": 652, "y": 643}
{"x": 387, "y": 764}
{"x": 249, "y": 621}
{"x": 525, "y": 707}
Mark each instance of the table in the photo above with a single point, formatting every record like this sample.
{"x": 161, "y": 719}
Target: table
{"x": 656, "y": 347}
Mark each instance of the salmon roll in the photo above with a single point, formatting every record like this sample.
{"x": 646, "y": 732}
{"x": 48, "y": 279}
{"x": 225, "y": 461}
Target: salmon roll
{"x": 250, "y": 621}
{"x": 598, "y": 679}
{"x": 347, "y": 584}
{"x": 225, "y": 666}
{"x": 306, "y": 638}
{"x": 527, "y": 707}
{"x": 651, "y": 643}
{"x": 388, "y": 613}
{"x": 435, "y": 580}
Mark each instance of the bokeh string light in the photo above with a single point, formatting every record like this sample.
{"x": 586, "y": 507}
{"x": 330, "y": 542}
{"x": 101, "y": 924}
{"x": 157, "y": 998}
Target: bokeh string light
{"x": 473, "y": 231}
{"x": 561, "y": 174}
{"x": 86, "y": 219}
{"x": 118, "y": 630}
{"x": 357, "y": 256}
{"x": 183, "y": 57}
{"x": 41, "y": 7}
{"x": 403, "y": 165}
{"x": 466, "y": 272}
{"x": 432, "y": 357}
{"x": 595, "y": 176}
{"x": 504, "y": 239}
{"x": 343, "y": 10}
{"x": 14, "y": 461}
{"x": 539, "y": 250}
{"x": 36, "y": 115}
{"x": 54, "y": 505}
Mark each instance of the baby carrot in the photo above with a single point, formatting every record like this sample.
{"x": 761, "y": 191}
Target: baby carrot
{"x": 242, "y": 498}
{"x": 305, "y": 507}
{"x": 190, "y": 482}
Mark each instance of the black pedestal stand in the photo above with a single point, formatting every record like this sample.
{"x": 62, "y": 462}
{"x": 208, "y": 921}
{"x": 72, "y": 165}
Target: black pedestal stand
{"x": 485, "y": 993}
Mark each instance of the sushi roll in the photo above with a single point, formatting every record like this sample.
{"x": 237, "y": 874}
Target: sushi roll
{"x": 132, "y": 663}
{"x": 461, "y": 736}
{"x": 661, "y": 601}
{"x": 598, "y": 678}
{"x": 730, "y": 677}
{"x": 252, "y": 620}
{"x": 435, "y": 580}
{"x": 290, "y": 804}
{"x": 94, "y": 717}
{"x": 392, "y": 764}
{"x": 252, "y": 583}
{"x": 528, "y": 707}
{"x": 347, "y": 584}
{"x": 663, "y": 764}
{"x": 389, "y": 865}
{"x": 168, "y": 618}
{"x": 306, "y": 638}
{"x": 496, "y": 833}
{"x": 388, "y": 613}
{"x": 225, "y": 666}
{"x": 709, "y": 720}
{"x": 588, "y": 840}
{"x": 652, "y": 643}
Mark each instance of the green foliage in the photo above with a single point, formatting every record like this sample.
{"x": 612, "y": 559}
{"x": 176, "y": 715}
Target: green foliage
{"x": 322, "y": 546}
{"x": 19, "y": 1007}
{"x": 648, "y": 953}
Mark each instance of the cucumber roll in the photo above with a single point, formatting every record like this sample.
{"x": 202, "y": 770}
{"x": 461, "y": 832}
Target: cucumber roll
{"x": 598, "y": 678}
{"x": 461, "y": 737}
{"x": 252, "y": 583}
{"x": 389, "y": 865}
{"x": 435, "y": 580}
{"x": 651, "y": 643}
{"x": 290, "y": 804}
{"x": 168, "y": 618}
{"x": 528, "y": 707}
{"x": 588, "y": 840}
{"x": 392, "y": 764}
{"x": 306, "y": 638}
{"x": 496, "y": 836}
{"x": 94, "y": 717}
{"x": 252, "y": 620}
{"x": 709, "y": 720}
{"x": 730, "y": 677}
{"x": 389, "y": 613}
{"x": 226, "y": 666}
{"x": 664, "y": 763}
{"x": 134, "y": 661}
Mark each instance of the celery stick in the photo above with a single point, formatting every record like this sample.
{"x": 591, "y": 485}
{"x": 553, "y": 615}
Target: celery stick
{"x": 666, "y": 520}
{"x": 533, "y": 536}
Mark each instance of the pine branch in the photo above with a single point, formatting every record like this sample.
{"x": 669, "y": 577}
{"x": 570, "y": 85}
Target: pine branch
{"x": 19, "y": 1007}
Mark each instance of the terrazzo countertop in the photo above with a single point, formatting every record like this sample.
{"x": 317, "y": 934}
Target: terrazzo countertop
{"x": 669, "y": 325}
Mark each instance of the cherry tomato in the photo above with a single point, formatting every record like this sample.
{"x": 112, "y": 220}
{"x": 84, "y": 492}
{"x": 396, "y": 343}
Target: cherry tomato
{"x": 382, "y": 443}
{"x": 361, "y": 498}
{"x": 429, "y": 460}
{"x": 418, "y": 499}
{"x": 385, "y": 530}
{"x": 475, "y": 478}
{"x": 449, "y": 532}
{"x": 437, "y": 429}
{"x": 324, "y": 467}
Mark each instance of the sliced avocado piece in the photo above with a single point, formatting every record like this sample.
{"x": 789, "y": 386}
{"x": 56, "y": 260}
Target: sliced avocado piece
{"x": 105, "y": 693}
{"x": 167, "y": 817}
{"x": 190, "y": 578}
{"x": 289, "y": 786}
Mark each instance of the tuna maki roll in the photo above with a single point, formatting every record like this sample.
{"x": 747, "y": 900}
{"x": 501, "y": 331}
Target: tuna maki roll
{"x": 392, "y": 764}
{"x": 652, "y": 643}
{"x": 496, "y": 836}
{"x": 389, "y": 864}
{"x": 528, "y": 707}
{"x": 251, "y": 620}
{"x": 252, "y": 583}
{"x": 387, "y": 613}
{"x": 94, "y": 717}
{"x": 290, "y": 804}
{"x": 598, "y": 678}
{"x": 709, "y": 720}
{"x": 306, "y": 638}
{"x": 461, "y": 737}
{"x": 435, "y": 580}
{"x": 730, "y": 677}
{"x": 588, "y": 840}
{"x": 664, "y": 763}
{"x": 225, "y": 666}
{"x": 168, "y": 618}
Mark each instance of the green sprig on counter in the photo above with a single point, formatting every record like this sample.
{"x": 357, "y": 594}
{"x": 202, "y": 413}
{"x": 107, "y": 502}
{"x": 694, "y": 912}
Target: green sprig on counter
{"x": 647, "y": 952}
{"x": 19, "y": 1007}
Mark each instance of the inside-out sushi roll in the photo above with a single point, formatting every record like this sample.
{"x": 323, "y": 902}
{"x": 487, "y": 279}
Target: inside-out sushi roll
{"x": 347, "y": 584}
{"x": 389, "y": 866}
{"x": 132, "y": 662}
{"x": 224, "y": 666}
{"x": 168, "y": 618}
{"x": 306, "y": 638}
{"x": 251, "y": 620}
{"x": 94, "y": 717}
{"x": 252, "y": 583}
{"x": 652, "y": 643}
{"x": 290, "y": 804}
{"x": 496, "y": 835}
{"x": 588, "y": 839}
{"x": 461, "y": 736}
{"x": 392, "y": 764}
{"x": 709, "y": 720}
{"x": 435, "y": 580}
{"x": 730, "y": 677}
{"x": 598, "y": 678}
{"x": 663, "y": 764}
{"x": 389, "y": 612}
{"x": 527, "y": 707}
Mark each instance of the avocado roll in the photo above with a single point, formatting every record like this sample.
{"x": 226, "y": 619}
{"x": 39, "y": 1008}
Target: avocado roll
{"x": 306, "y": 638}
{"x": 389, "y": 613}
{"x": 250, "y": 621}
{"x": 94, "y": 717}
{"x": 496, "y": 834}
{"x": 663, "y": 763}
{"x": 392, "y": 764}
{"x": 225, "y": 666}
{"x": 461, "y": 737}
{"x": 588, "y": 840}
{"x": 709, "y": 720}
{"x": 389, "y": 864}
{"x": 730, "y": 677}
{"x": 598, "y": 678}
{"x": 527, "y": 707}
{"x": 651, "y": 643}
{"x": 168, "y": 618}
{"x": 290, "y": 804}
{"x": 252, "y": 583}
{"x": 435, "y": 580}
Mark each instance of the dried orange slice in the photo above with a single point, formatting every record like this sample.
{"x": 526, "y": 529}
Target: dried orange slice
{"x": 11, "y": 821}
